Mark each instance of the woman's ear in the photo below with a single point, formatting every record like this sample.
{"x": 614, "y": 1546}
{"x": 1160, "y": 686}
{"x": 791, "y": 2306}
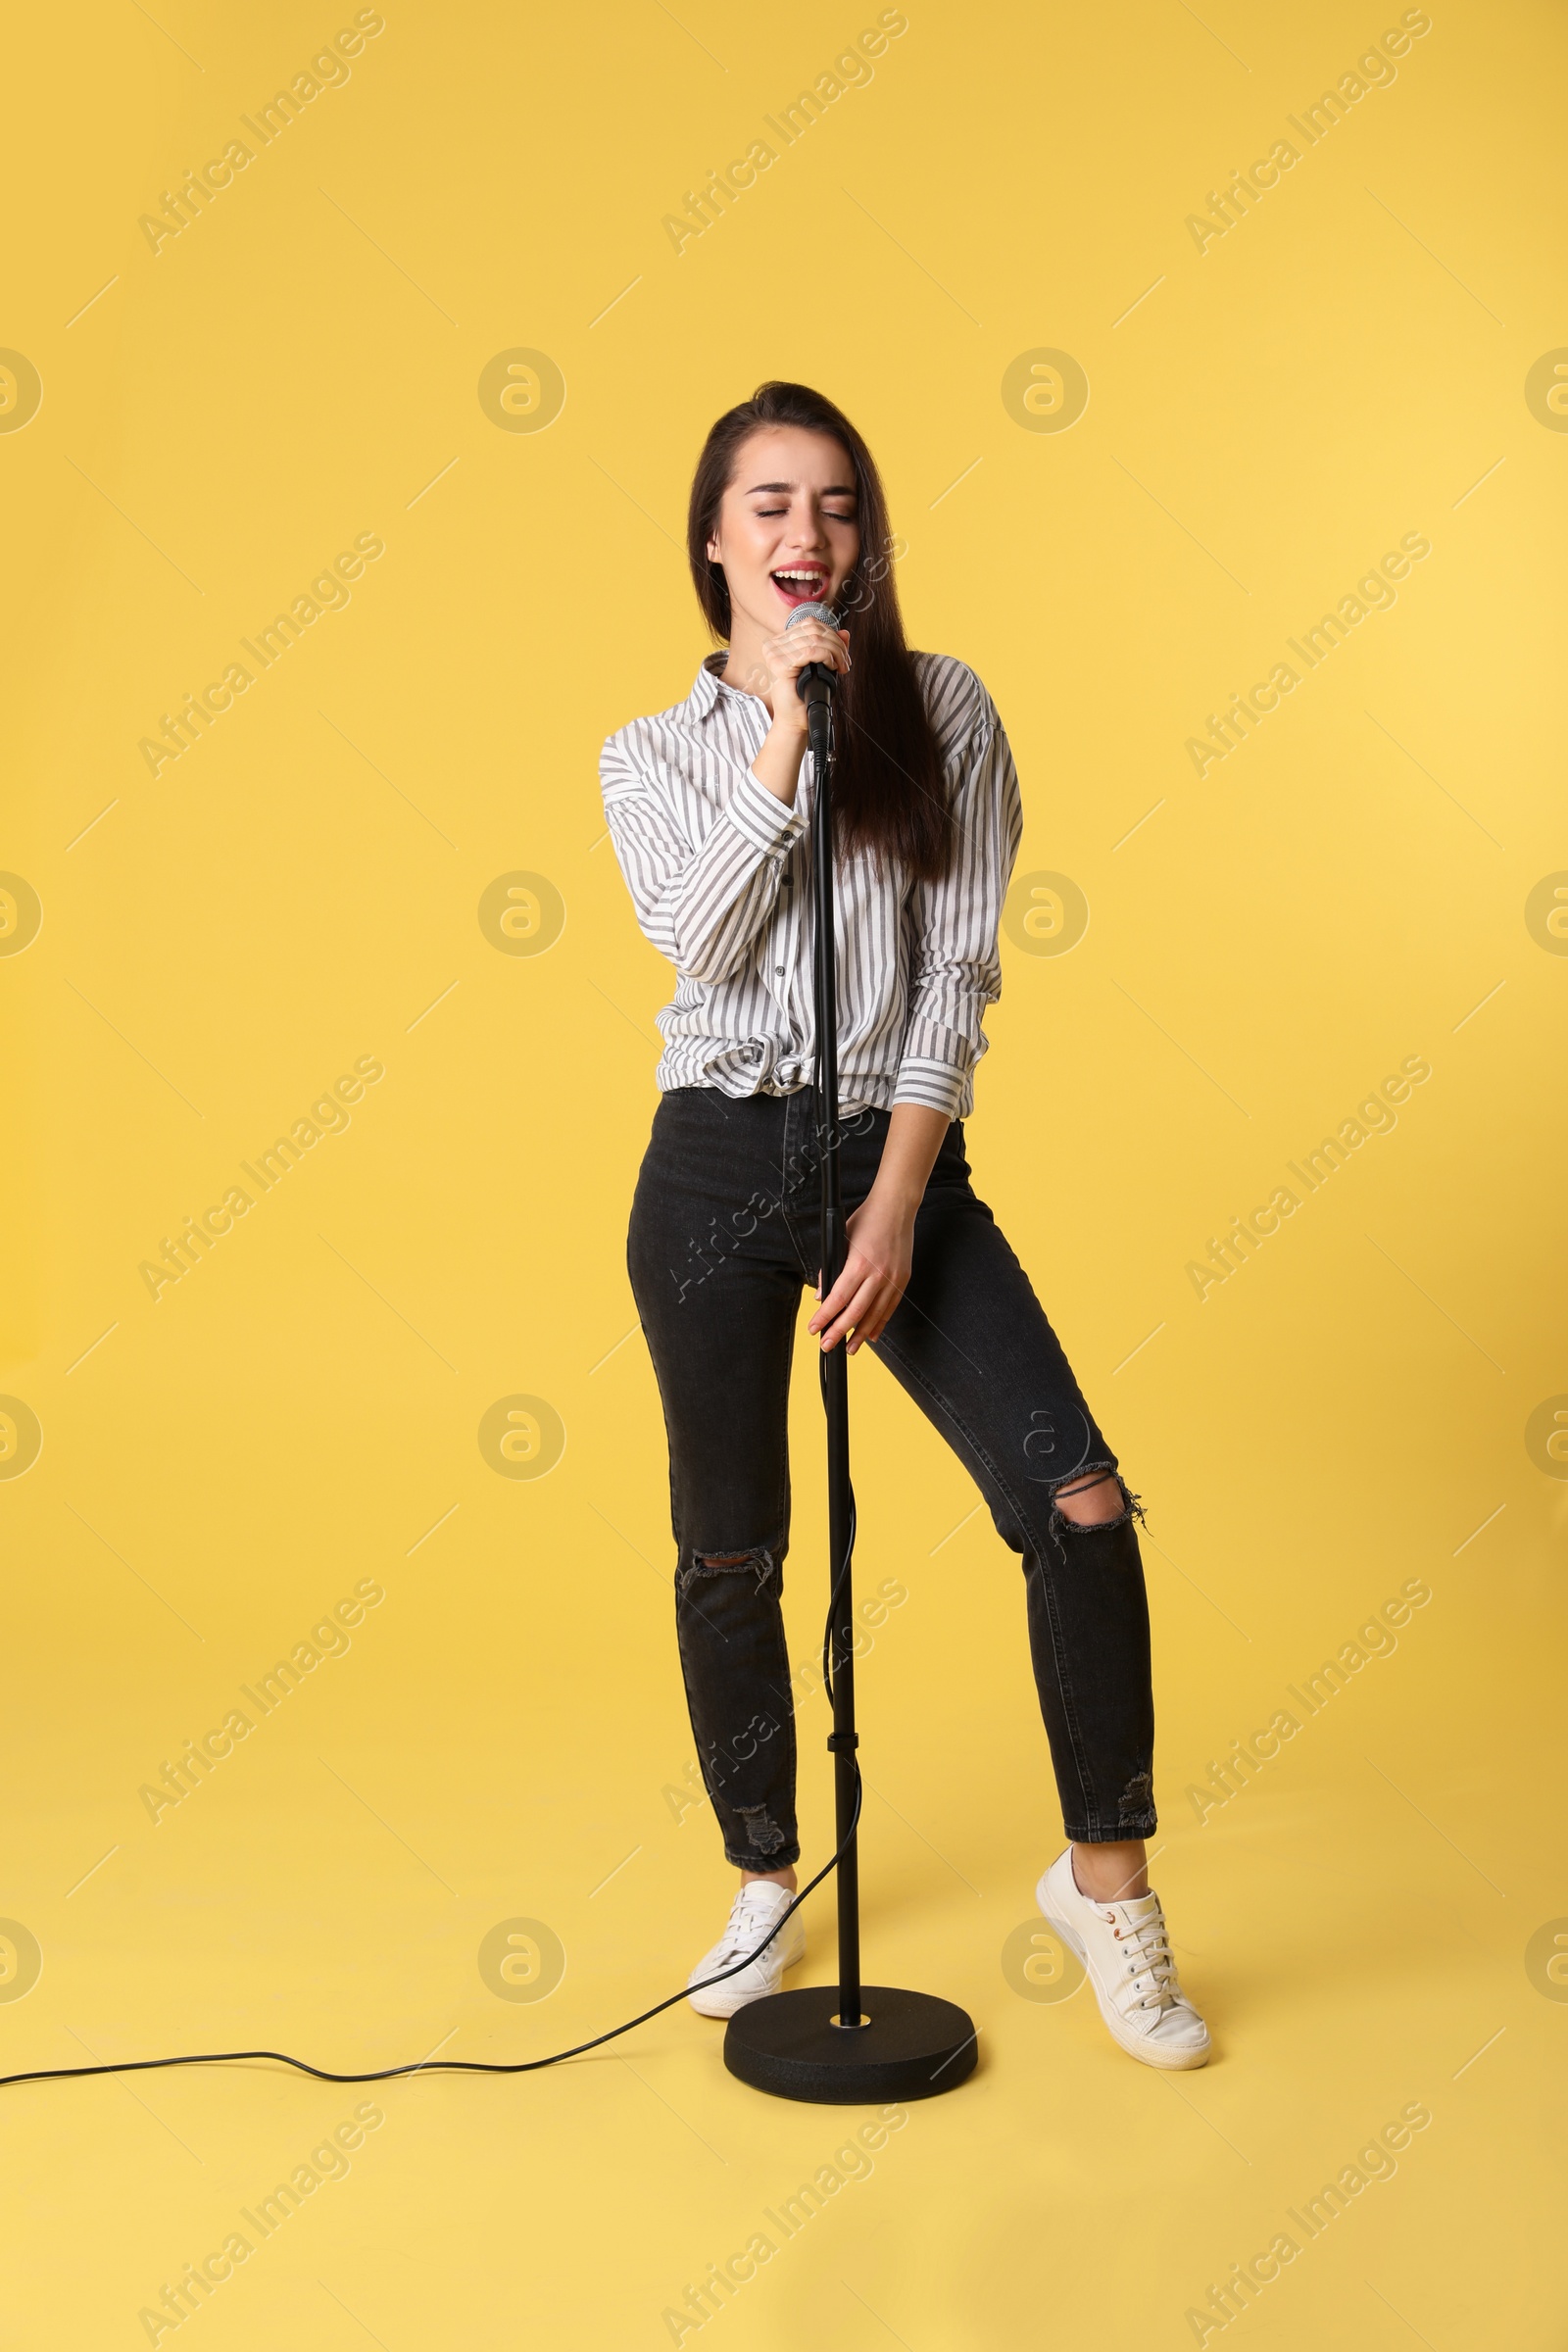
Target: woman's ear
{"x": 712, "y": 550}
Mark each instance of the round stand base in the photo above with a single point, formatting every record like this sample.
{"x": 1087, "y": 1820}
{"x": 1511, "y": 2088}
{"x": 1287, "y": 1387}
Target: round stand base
{"x": 915, "y": 2045}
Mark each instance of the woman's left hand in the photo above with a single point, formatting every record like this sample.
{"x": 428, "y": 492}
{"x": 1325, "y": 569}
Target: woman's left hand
{"x": 876, "y": 1273}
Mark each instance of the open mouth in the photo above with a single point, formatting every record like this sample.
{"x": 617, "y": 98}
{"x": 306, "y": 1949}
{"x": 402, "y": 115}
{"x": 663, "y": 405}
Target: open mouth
{"x": 804, "y": 584}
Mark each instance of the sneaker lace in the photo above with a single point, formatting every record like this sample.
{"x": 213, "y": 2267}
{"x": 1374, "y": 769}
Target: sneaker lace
{"x": 1152, "y": 1964}
{"x": 747, "y": 1926}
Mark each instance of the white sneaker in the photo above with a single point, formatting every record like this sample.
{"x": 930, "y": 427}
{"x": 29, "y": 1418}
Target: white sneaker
{"x": 753, "y": 1913}
{"x": 1126, "y": 1951}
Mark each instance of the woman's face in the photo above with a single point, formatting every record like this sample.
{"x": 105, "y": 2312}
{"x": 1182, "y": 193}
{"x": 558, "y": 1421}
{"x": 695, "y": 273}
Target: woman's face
{"x": 787, "y": 531}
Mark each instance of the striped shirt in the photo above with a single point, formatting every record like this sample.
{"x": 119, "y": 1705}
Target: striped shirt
{"x": 720, "y": 873}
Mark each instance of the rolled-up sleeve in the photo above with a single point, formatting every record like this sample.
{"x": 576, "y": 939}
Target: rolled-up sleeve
{"x": 703, "y": 905}
{"x": 956, "y": 969}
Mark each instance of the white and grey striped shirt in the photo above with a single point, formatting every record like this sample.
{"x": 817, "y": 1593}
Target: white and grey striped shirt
{"x": 720, "y": 873}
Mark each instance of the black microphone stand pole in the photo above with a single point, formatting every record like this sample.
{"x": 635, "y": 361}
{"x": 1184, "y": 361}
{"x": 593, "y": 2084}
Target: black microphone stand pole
{"x": 847, "y": 2045}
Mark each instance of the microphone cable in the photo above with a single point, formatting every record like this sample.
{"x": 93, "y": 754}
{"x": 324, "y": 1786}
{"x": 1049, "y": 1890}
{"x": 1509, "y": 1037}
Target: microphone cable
{"x": 489, "y": 2066}
{"x": 527, "y": 2066}
{"x": 462, "y": 2066}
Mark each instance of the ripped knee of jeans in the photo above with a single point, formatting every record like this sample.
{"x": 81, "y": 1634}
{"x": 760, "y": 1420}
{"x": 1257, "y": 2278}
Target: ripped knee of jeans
{"x": 760, "y": 1561}
{"x": 1106, "y": 1501}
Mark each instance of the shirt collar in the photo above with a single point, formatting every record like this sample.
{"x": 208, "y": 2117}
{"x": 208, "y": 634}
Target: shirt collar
{"x": 710, "y": 686}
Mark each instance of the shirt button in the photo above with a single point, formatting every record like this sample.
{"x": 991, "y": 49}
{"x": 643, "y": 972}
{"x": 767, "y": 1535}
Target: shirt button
{"x": 778, "y": 971}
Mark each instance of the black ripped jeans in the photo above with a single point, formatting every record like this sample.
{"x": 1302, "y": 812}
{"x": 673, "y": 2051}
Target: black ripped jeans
{"x": 723, "y": 1236}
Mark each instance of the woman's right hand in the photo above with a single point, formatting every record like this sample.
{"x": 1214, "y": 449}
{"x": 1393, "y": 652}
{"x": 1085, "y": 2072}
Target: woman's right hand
{"x": 781, "y": 661}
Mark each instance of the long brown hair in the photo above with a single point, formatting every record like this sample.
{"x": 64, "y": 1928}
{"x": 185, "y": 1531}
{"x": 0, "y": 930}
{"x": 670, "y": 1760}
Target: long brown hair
{"x": 887, "y": 773}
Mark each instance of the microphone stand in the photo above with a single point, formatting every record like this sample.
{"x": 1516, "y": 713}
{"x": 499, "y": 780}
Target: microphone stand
{"x": 847, "y": 2045}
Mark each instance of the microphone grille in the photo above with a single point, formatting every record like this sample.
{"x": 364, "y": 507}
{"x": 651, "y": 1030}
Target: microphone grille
{"x": 813, "y": 613}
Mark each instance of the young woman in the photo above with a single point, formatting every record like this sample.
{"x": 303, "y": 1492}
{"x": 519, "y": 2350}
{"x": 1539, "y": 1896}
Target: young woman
{"x": 707, "y": 808}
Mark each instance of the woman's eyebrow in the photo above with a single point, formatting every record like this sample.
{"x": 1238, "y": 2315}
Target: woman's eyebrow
{"x": 835, "y": 490}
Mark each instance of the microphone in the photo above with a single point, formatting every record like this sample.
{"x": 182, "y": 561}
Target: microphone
{"x": 817, "y": 680}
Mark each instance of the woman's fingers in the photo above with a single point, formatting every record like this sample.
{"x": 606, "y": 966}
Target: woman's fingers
{"x": 870, "y": 1327}
{"x": 812, "y": 641}
{"x": 862, "y": 1302}
{"x": 848, "y": 1284}
{"x": 861, "y": 1305}
{"x": 841, "y": 1301}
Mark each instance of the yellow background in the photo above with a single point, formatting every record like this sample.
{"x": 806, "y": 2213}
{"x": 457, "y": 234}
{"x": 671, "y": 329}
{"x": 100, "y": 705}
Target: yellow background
{"x": 300, "y": 889}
